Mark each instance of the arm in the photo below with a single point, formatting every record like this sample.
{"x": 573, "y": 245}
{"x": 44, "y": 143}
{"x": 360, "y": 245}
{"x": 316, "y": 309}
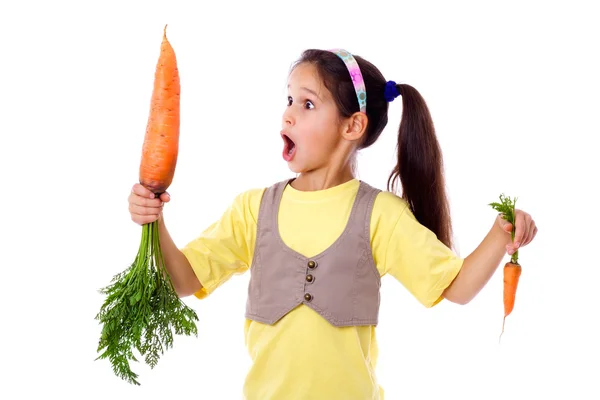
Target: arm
{"x": 179, "y": 268}
{"x": 430, "y": 270}
{"x": 479, "y": 266}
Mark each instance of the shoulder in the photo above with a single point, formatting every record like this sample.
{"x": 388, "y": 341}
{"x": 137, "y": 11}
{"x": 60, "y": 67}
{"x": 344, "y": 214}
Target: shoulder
{"x": 394, "y": 213}
{"x": 249, "y": 200}
{"x": 389, "y": 206}
{"x": 250, "y": 197}
{"x": 386, "y": 215}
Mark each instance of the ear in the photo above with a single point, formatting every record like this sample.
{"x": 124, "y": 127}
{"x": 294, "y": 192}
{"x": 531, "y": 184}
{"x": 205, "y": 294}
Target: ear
{"x": 355, "y": 126}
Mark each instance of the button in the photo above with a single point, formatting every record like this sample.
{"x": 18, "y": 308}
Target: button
{"x": 312, "y": 264}
{"x": 308, "y": 297}
{"x": 309, "y": 278}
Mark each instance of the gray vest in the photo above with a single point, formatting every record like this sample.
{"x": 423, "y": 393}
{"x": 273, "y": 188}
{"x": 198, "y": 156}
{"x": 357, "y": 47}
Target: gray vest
{"x": 341, "y": 283}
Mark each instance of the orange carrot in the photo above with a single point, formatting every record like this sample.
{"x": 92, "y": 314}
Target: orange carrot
{"x": 142, "y": 311}
{"x": 512, "y": 273}
{"x": 161, "y": 142}
{"x": 512, "y": 269}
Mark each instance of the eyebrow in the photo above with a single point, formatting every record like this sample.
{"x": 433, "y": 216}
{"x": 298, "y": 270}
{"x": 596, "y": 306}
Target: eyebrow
{"x": 309, "y": 90}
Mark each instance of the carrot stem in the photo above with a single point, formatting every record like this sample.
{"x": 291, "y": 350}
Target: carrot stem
{"x": 515, "y": 256}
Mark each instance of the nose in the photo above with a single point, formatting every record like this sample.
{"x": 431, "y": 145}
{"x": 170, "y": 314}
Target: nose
{"x": 288, "y": 118}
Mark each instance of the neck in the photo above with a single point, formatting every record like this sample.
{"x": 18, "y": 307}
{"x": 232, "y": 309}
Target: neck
{"x": 324, "y": 178}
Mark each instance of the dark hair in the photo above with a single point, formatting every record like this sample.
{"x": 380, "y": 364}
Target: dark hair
{"x": 420, "y": 164}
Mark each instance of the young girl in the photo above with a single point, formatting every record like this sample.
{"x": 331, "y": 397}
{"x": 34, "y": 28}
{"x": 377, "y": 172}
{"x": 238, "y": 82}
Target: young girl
{"x": 317, "y": 245}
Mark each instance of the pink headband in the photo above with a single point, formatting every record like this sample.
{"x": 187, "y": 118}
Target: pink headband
{"x": 357, "y": 79}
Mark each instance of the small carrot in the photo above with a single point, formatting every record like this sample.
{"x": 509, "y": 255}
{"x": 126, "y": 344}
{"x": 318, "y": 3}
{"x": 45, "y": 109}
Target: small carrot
{"x": 512, "y": 269}
{"x": 161, "y": 142}
{"x": 512, "y": 273}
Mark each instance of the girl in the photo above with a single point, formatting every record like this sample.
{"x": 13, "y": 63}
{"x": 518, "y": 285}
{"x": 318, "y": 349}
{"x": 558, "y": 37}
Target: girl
{"x": 317, "y": 245}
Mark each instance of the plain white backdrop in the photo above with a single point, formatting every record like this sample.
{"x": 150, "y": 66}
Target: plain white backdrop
{"x": 513, "y": 88}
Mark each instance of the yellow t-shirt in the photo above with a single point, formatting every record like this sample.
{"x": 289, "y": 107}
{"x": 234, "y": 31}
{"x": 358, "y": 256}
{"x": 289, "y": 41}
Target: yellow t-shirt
{"x": 302, "y": 356}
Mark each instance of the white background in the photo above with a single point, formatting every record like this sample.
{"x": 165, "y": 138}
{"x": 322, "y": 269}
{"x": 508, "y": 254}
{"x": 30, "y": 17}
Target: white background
{"x": 513, "y": 88}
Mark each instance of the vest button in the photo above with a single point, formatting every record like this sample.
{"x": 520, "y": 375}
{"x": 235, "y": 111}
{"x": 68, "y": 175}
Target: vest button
{"x": 312, "y": 264}
{"x": 309, "y": 278}
{"x": 308, "y": 297}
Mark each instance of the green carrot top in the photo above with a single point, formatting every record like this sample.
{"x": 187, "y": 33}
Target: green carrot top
{"x": 506, "y": 208}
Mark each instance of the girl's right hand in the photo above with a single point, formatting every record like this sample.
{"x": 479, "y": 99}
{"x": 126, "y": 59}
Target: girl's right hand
{"x": 143, "y": 206}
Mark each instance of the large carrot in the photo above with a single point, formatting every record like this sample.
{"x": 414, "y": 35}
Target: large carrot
{"x": 161, "y": 143}
{"x": 142, "y": 309}
{"x": 512, "y": 269}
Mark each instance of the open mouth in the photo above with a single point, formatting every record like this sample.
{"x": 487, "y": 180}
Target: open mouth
{"x": 289, "y": 147}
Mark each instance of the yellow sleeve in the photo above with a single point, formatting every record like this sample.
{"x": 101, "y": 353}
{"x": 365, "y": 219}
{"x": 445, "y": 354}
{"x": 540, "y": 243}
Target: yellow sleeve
{"x": 418, "y": 260}
{"x": 226, "y": 247}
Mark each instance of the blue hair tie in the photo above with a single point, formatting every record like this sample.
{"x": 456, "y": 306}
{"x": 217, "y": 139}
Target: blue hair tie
{"x": 391, "y": 91}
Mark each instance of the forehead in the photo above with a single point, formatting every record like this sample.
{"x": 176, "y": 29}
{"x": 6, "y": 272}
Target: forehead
{"x": 305, "y": 75}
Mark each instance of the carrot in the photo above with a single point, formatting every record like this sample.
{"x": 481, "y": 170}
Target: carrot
{"x": 512, "y": 269}
{"x": 142, "y": 310}
{"x": 161, "y": 142}
{"x": 512, "y": 273}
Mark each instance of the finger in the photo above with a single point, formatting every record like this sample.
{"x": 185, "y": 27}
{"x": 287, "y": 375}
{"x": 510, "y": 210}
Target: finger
{"x": 504, "y": 224}
{"x": 144, "y": 202}
{"x": 530, "y": 228}
{"x": 520, "y": 228}
{"x": 524, "y": 239}
{"x": 526, "y": 229}
{"x": 142, "y": 191}
{"x": 140, "y": 210}
{"x": 165, "y": 197}
{"x": 143, "y": 219}
{"x": 532, "y": 232}
{"x": 527, "y": 237}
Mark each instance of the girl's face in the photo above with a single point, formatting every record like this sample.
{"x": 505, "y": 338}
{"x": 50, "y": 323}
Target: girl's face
{"x": 310, "y": 124}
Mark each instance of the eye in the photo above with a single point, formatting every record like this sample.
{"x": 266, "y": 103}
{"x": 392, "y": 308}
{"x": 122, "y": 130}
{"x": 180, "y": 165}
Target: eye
{"x": 307, "y": 104}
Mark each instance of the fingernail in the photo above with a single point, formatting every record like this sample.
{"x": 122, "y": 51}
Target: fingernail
{"x": 517, "y": 244}
{"x": 510, "y": 252}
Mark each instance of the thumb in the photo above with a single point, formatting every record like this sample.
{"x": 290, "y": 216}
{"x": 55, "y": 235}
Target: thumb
{"x": 504, "y": 224}
{"x": 165, "y": 197}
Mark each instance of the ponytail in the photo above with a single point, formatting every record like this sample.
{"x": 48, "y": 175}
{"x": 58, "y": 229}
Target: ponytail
{"x": 420, "y": 166}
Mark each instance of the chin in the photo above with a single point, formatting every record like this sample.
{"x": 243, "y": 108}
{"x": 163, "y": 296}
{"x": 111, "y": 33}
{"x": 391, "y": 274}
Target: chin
{"x": 295, "y": 169}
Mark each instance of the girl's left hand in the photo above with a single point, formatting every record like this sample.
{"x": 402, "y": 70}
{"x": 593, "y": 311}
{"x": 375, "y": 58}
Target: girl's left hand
{"x": 525, "y": 230}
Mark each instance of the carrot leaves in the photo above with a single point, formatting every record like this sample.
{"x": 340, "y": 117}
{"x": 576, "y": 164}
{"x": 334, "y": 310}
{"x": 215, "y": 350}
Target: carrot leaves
{"x": 141, "y": 311}
{"x": 506, "y": 208}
